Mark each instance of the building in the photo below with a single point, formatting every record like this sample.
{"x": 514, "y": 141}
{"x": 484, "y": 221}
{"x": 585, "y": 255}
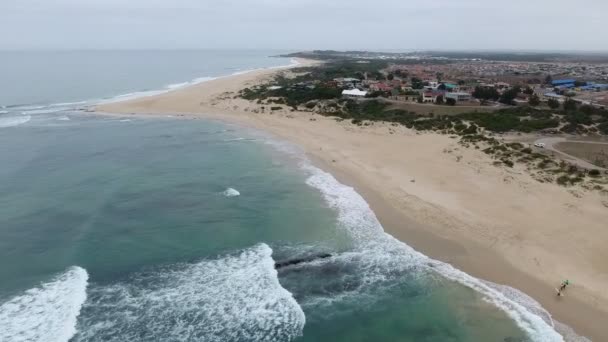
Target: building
{"x": 354, "y": 93}
{"x": 347, "y": 82}
{"x": 502, "y": 85}
{"x": 431, "y": 96}
{"x": 459, "y": 97}
{"x": 554, "y": 96}
{"x": 558, "y": 83}
{"x": 451, "y": 87}
{"x": 380, "y": 87}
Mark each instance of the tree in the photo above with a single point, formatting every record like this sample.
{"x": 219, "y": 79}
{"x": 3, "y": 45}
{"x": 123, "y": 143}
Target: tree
{"x": 377, "y": 75}
{"x": 461, "y": 82}
{"x": 548, "y": 79}
{"x": 569, "y": 105}
{"x": 534, "y": 100}
{"x": 553, "y": 103}
{"x": 390, "y": 77}
{"x": 416, "y": 83}
{"x": 528, "y": 91}
{"x": 450, "y": 102}
{"x": 508, "y": 96}
{"x": 486, "y": 93}
{"x": 442, "y": 87}
{"x": 439, "y": 99}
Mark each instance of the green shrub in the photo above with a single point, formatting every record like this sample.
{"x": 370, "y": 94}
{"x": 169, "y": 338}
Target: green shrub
{"x": 563, "y": 180}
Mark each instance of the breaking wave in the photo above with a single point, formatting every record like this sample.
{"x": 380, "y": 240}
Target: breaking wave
{"x": 47, "y": 313}
{"x": 12, "y": 121}
{"x": 388, "y": 253}
{"x": 230, "y": 192}
{"x": 236, "y": 298}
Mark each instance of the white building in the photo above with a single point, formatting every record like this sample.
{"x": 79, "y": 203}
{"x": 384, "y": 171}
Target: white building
{"x": 458, "y": 96}
{"x": 354, "y": 93}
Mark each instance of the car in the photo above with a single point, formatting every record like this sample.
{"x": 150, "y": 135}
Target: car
{"x": 540, "y": 145}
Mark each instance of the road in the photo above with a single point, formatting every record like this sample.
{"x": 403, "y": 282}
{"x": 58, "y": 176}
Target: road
{"x": 550, "y": 146}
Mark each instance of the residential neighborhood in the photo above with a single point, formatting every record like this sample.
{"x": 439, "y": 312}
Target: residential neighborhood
{"x": 476, "y": 83}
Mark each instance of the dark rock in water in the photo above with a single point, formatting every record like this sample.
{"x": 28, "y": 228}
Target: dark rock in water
{"x": 282, "y": 264}
{"x": 513, "y": 339}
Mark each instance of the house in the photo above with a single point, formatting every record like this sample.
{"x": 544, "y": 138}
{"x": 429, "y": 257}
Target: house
{"x": 459, "y": 97}
{"x": 502, "y": 85}
{"x": 451, "y": 87}
{"x": 380, "y": 87}
{"x": 554, "y": 96}
{"x": 304, "y": 85}
{"x": 347, "y": 82}
{"x": 354, "y": 93}
{"x": 431, "y": 96}
{"x": 395, "y": 83}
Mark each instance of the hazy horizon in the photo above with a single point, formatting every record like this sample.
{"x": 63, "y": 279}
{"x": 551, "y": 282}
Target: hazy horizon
{"x": 286, "y": 51}
{"x": 468, "y": 25}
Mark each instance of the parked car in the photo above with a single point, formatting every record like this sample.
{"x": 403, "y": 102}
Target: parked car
{"x": 540, "y": 145}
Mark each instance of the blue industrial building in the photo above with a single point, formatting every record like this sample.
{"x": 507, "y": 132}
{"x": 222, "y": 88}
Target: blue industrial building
{"x": 557, "y": 83}
{"x": 594, "y": 87}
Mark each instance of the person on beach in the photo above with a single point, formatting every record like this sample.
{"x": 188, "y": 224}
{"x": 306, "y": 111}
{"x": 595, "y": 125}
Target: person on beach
{"x": 565, "y": 284}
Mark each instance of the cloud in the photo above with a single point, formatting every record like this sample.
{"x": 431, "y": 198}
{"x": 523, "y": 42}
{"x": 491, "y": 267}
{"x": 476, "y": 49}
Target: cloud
{"x": 304, "y": 24}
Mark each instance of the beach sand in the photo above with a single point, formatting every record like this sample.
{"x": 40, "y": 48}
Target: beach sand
{"x": 447, "y": 201}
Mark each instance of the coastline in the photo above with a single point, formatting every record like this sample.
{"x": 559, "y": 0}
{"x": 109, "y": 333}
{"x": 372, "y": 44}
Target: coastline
{"x": 432, "y": 194}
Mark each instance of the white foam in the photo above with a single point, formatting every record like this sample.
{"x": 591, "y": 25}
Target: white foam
{"x": 230, "y": 192}
{"x": 68, "y": 104}
{"x": 47, "y": 313}
{"x": 235, "y": 298}
{"x": 177, "y": 85}
{"x": 536, "y": 327}
{"x": 355, "y": 215}
{"x": 64, "y": 118}
{"x": 238, "y": 139}
{"x": 43, "y": 111}
{"x": 12, "y": 121}
{"x": 3, "y": 111}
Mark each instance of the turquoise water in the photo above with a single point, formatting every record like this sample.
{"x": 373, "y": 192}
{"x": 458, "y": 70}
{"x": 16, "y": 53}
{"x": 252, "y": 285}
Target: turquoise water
{"x": 116, "y": 229}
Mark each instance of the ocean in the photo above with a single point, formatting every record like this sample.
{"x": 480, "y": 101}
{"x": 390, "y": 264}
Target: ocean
{"x": 161, "y": 229}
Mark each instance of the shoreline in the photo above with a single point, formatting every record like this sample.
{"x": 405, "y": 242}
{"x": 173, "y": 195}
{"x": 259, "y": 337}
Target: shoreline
{"x": 433, "y": 224}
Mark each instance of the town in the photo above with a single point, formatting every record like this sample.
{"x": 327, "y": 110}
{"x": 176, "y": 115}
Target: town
{"x": 478, "y": 83}
{"x": 524, "y": 113}
{"x": 484, "y": 84}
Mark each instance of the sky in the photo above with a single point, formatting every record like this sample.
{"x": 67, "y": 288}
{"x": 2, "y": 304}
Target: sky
{"x": 305, "y": 24}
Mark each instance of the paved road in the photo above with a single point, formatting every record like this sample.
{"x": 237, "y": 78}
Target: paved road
{"x": 550, "y": 145}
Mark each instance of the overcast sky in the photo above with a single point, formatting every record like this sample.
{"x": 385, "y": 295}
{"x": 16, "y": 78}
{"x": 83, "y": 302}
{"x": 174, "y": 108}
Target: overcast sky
{"x": 305, "y": 24}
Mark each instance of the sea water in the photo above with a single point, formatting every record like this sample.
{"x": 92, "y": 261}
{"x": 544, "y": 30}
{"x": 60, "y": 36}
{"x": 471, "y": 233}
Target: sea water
{"x": 140, "y": 229}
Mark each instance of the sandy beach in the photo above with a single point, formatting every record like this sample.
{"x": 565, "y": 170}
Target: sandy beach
{"x": 449, "y": 202}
